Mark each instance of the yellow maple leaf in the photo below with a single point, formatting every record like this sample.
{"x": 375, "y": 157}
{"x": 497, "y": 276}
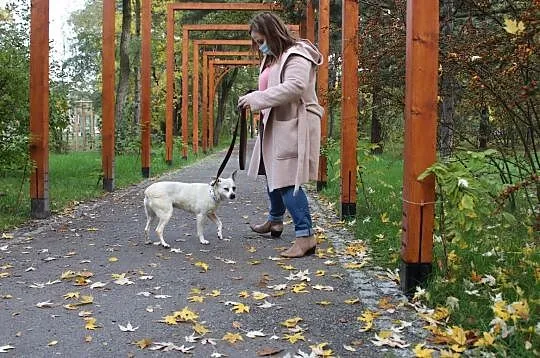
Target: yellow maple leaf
{"x": 293, "y": 338}
{"x": 240, "y": 308}
{"x": 449, "y": 354}
{"x": 499, "y": 309}
{"x": 232, "y": 337}
{"x": 519, "y": 309}
{"x": 352, "y": 301}
{"x": 458, "y": 335}
{"x": 113, "y": 259}
{"x": 85, "y": 300}
{"x": 200, "y": 329}
{"x": 368, "y": 317}
{"x": 384, "y": 303}
{"x": 251, "y": 249}
{"x": 68, "y": 274}
{"x": 196, "y": 298}
{"x": 169, "y": 319}
{"x": 259, "y": 295}
{"x": 71, "y": 295}
{"x": 90, "y": 323}
{"x": 288, "y": 267}
{"x": 299, "y": 288}
{"x": 320, "y": 273}
{"x": 214, "y": 293}
{"x": 291, "y": 322}
{"x": 320, "y": 351}
{"x": 513, "y": 27}
{"x": 255, "y": 262}
{"x": 186, "y": 315}
{"x": 196, "y": 291}
{"x": 421, "y": 352}
{"x": 243, "y": 294}
{"x": 354, "y": 265}
{"x": 485, "y": 341}
{"x": 202, "y": 265}
{"x": 143, "y": 343}
{"x": 384, "y": 217}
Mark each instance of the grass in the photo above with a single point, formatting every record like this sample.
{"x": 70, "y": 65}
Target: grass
{"x": 491, "y": 273}
{"x": 76, "y": 177}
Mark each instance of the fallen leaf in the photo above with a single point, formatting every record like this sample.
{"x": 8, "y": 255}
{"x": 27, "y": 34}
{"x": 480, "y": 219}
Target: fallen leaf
{"x": 268, "y": 351}
{"x": 128, "y": 328}
{"x": 232, "y": 337}
{"x": 90, "y": 323}
{"x": 7, "y": 347}
{"x": 52, "y": 343}
{"x": 293, "y": 338}
{"x": 143, "y": 343}
{"x": 253, "y": 334}
{"x": 45, "y": 304}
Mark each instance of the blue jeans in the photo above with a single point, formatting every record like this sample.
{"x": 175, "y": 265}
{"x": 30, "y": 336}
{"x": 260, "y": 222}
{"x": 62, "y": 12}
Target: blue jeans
{"x": 283, "y": 198}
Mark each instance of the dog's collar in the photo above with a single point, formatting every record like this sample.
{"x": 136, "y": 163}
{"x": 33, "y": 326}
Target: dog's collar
{"x": 212, "y": 193}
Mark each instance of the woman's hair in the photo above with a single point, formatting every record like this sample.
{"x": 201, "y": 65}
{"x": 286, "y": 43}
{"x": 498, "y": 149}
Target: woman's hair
{"x": 278, "y": 37}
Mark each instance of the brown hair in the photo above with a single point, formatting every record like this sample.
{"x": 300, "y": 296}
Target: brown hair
{"x": 278, "y": 37}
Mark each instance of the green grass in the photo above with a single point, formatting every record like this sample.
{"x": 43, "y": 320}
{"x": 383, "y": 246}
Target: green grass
{"x": 76, "y": 177}
{"x": 507, "y": 253}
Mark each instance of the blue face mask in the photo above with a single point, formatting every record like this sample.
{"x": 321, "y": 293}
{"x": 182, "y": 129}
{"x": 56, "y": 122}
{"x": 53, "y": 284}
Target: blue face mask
{"x": 265, "y": 49}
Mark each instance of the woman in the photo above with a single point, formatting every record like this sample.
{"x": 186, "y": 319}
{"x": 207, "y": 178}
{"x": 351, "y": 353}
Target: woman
{"x": 287, "y": 148}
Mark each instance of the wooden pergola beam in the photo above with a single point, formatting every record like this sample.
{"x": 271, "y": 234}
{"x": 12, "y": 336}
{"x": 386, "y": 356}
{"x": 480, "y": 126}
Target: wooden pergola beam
{"x": 206, "y": 54}
{"x": 421, "y": 89}
{"x": 39, "y": 108}
{"x": 178, "y": 6}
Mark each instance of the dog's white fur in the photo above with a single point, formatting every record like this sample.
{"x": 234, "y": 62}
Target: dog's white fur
{"x": 198, "y": 198}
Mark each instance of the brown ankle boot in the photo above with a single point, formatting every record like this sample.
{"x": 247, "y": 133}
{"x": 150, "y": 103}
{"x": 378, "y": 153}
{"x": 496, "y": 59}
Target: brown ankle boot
{"x": 303, "y": 246}
{"x": 275, "y": 228}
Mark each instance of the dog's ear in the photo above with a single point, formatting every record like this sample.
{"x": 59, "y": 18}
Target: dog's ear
{"x": 233, "y": 175}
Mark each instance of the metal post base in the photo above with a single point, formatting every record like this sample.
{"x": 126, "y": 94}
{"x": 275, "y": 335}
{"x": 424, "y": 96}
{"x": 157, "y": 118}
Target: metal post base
{"x": 348, "y": 211}
{"x": 145, "y": 172}
{"x": 412, "y": 275}
{"x": 169, "y": 162}
{"x": 108, "y": 184}
{"x": 39, "y": 208}
{"x": 321, "y": 185}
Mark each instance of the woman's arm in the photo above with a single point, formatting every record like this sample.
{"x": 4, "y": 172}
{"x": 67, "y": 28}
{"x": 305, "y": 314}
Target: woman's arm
{"x": 296, "y": 74}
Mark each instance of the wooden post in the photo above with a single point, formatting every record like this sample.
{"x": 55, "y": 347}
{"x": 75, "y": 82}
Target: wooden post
{"x": 146, "y": 83}
{"x": 211, "y": 82}
{"x": 170, "y": 86}
{"x": 185, "y": 89}
{"x": 349, "y": 108}
{"x": 322, "y": 85}
{"x": 420, "y": 141}
{"x": 310, "y": 21}
{"x": 205, "y": 103}
{"x": 107, "y": 134}
{"x": 39, "y": 108}
{"x": 195, "y": 104}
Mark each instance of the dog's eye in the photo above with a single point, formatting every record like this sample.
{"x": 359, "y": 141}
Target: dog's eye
{"x": 233, "y": 188}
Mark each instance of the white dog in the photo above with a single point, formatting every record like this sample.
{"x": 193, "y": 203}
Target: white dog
{"x": 198, "y": 198}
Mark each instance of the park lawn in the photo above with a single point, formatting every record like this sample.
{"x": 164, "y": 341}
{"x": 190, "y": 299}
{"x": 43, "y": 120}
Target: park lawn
{"x": 76, "y": 177}
{"x": 484, "y": 281}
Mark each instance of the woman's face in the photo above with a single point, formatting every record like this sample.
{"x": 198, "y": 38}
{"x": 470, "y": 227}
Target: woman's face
{"x": 258, "y": 38}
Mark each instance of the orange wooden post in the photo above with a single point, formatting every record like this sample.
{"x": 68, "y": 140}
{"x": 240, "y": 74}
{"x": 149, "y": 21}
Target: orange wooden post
{"x": 420, "y": 141}
{"x": 185, "y": 89}
{"x": 310, "y": 21}
{"x": 146, "y": 48}
{"x": 322, "y": 84}
{"x": 211, "y": 84}
{"x": 195, "y": 105}
{"x": 169, "y": 99}
{"x": 349, "y": 107}
{"x": 107, "y": 95}
{"x": 39, "y": 108}
{"x": 205, "y": 103}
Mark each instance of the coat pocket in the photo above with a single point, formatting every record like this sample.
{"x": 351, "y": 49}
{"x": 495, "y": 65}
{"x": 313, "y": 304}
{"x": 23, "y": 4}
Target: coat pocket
{"x": 285, "y": 135}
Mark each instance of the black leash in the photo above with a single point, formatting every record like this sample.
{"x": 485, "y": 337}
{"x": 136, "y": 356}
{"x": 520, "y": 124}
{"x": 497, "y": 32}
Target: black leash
{"x": 242, "y": 122}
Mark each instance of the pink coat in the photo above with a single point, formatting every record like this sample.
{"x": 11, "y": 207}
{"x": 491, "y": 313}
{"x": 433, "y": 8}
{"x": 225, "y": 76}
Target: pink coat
{"x": 291, "y": 118}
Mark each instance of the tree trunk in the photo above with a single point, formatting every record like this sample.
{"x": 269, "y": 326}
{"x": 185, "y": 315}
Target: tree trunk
{"x": 376, "y": 128}
{"x": 483, "y": 131}
{"x": 447, "y": 107}
{"x": 123, "y": 80}
{"x": 136, "y": 62}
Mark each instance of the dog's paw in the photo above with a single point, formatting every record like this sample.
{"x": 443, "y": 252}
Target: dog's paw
{"x": 148, "y": 242}
{"x": 164, "y": 244}
{"x": 204, "y": 242}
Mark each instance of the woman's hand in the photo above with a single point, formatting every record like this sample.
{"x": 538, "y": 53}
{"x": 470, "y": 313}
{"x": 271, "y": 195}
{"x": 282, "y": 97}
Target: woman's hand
{"x": 243, "y": 102}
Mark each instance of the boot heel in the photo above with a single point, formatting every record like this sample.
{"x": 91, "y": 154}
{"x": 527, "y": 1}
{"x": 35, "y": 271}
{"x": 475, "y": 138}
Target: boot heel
{"x": 275, "y": 233}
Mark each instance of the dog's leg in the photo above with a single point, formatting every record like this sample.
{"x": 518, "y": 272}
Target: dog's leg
{"x": 200, "y": 229}
{"x": 150, "y": 216}
{"x": 215, "y": 220}
{"x": 164, "y": 217}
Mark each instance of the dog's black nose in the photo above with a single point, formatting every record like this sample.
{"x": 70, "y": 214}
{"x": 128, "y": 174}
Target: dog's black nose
{"x": 233, "y": 196}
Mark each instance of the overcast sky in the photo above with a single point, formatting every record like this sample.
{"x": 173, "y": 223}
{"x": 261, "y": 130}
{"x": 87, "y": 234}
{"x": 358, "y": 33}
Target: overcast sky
{"x": 59, "y": 29}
